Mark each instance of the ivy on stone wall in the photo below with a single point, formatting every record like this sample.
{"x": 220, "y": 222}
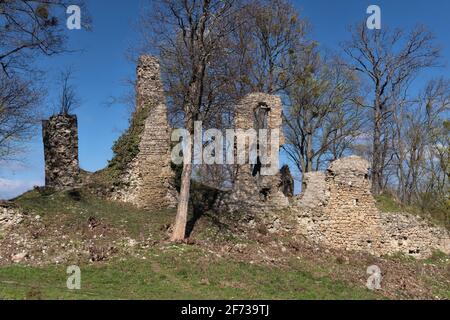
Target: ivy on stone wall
{"x": 126, "y": 148}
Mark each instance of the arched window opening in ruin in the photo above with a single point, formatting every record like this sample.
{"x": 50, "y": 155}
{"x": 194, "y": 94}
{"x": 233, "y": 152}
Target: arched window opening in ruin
{"x": 261, "y": 114}
{"x": 261, "y": 121}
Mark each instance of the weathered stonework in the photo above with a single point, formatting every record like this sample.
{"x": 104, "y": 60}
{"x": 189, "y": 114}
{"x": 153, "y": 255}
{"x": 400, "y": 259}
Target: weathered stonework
{"x": 148, "y": 180}
{"x": 60, "y": 137}
{"x": 253, "y": 191}
{"x": 287, "y": 182}
{"x": 337, "y": 209}
{"x": 10, "y": 215}
{"x": 412, "y": 235}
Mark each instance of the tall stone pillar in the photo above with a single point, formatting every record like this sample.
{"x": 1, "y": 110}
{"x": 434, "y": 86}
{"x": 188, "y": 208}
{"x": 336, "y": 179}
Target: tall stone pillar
{"x": 60, "y": 137}
{"x": 149, "y": 178}
{"x": 252, "y": 190}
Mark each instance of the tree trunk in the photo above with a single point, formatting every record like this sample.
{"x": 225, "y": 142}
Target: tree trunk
{"x": 309, "y": 153}
{"x": 179, "y": 230}
{"x": 377, "y": 166}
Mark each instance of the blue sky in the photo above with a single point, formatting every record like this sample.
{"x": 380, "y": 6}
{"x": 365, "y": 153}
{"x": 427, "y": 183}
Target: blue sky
{"x": 101, "y": 68}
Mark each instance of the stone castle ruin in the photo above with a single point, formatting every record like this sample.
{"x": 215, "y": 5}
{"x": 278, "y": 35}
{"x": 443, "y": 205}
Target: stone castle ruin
{"x": 252, "y": 189}
{"x": 335, "y": 209}
{"x": 60, "y": 138}
{"x": 148, "y": 180}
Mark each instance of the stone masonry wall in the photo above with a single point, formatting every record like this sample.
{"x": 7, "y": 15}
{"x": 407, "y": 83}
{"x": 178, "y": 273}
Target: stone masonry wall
{"x": 413, "y": 235}
{"x": 60, "y": 137}
{"x": 257, "y": 193}
{"x": 148, "y": 180}
{"x": 338, "y": 210}
{"x": 353, "y": 219}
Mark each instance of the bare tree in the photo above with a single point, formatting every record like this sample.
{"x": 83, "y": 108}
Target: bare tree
{"x": 389, "y": 61}
{"x": 28, "y": 29}
{"x": 190, "y": 38}
{"x": 267, "y": 33}
{"x": 420, "y": 143}
{"x": 321, "y": 121}
{"x": 19, "y": 101}
{"x": 31, "y": 27}
{"x": 68, "y": 99}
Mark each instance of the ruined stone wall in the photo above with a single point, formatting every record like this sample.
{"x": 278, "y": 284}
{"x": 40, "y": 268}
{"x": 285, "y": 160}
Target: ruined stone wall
{"x": 353, "y": 219}
{"x": 412, "y": 235}
{"x": 257, "y": 192}
{"x": 148, "y": 180}
{"x": 338, "y": 210}
{"x": 60, "y": 137}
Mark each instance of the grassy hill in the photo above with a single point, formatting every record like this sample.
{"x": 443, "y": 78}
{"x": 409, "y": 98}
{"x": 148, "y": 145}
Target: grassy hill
{"x": 123, "y": 252}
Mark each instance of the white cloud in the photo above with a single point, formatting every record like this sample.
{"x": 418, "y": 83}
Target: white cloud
{"x": 13, "y": 188}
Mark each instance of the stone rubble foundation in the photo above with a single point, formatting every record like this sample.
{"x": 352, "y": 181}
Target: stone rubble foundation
{"x": 10, "y": 215}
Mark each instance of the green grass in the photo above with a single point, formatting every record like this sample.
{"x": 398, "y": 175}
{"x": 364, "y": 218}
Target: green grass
{"x": 167, "y": 272}
{"x": 175, "y": 271}
{"x": 180, "y": 272}
{"x": 430, "y": 209}
{"x": 74, "y": 208}
{"x": 386, "y": 203}
{"x": 438, "y": 257}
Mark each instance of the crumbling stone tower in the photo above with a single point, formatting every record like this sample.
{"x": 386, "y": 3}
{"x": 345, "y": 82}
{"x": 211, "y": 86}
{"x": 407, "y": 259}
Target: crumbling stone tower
{"x": 251, "y": 189}
{"x": 354, "y": 220}
{"x": 60, "y": 137}
{"x": 337, "y": 207}
{"x": 148, "y": 180}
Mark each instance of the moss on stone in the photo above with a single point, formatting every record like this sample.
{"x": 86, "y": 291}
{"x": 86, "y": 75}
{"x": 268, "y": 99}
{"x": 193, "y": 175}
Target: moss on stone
{"x": 126, "y": 148}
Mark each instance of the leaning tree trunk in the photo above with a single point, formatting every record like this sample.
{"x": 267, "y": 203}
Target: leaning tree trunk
{"x": 179, "y": 230}
{"x": 196, "y": 90}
